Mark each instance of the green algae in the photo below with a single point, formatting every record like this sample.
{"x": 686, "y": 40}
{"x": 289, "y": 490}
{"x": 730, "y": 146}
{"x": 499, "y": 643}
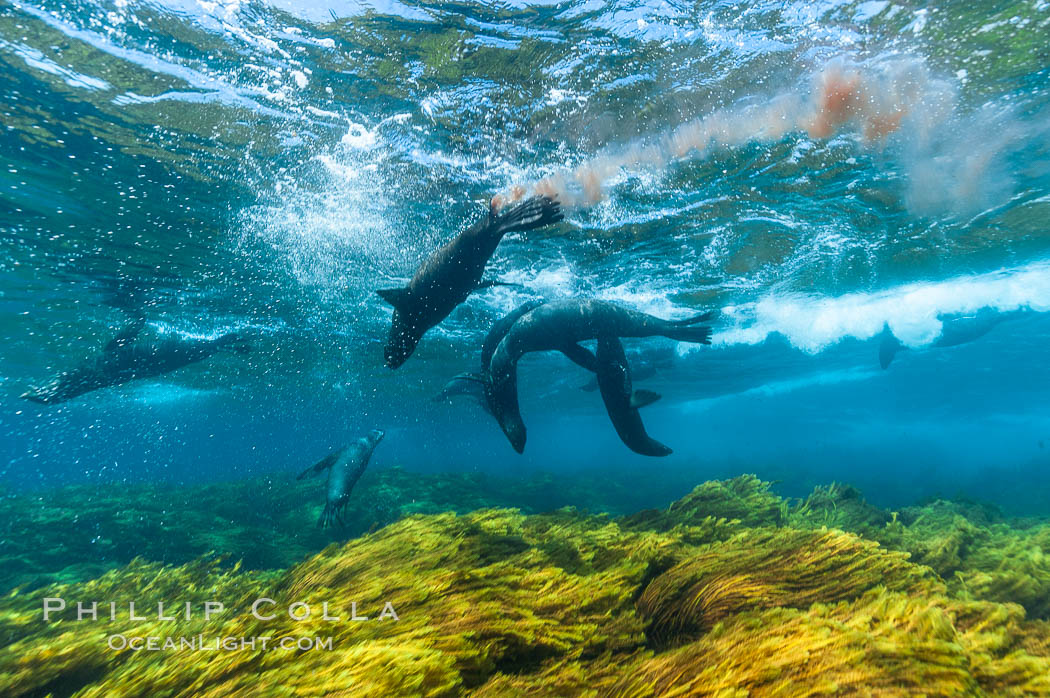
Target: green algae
{"x": 730, "y": 590}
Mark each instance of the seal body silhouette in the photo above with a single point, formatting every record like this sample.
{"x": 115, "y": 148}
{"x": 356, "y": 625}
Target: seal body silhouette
{"x": 453, "y": 272}
{"x": 345, "y": 467}
{"x": 128, "y": 358}
{"x": 560, "y": 326}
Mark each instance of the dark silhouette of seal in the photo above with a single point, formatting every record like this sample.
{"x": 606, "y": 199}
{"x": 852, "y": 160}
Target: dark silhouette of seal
{"x": 345, "y": 467}
{"x": 128, "y": 357}
{"x": 560, "y": 326}
{"x": 955, "y": 330}
{"x": 473, "y": 385}
{"x": 622, "y": 401}
{"x": 453, "y": 272}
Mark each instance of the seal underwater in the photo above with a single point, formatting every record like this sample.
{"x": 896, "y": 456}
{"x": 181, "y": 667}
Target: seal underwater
{"x": 560, "y": 326}
{"x": 127, "y": 357}
{"x": 622, "y": 401}
{"x": 451, "y": 273}
{"x": 345, "y": 468}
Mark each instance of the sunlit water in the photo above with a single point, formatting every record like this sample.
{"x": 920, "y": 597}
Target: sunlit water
{"x": 266, "y": 167}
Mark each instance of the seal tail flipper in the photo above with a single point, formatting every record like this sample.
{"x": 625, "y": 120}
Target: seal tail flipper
{"x": 36, "y": 395}
{"x": 698, "y": 334}
{"x": 702, "y": 317}
{"x": 530, "y": 214}
{"x": 641, "y": 398}
{"x": 888, "y": 348}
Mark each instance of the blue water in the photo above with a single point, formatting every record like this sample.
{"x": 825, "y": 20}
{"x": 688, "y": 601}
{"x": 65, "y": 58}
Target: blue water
{"x": 266, "y": 166}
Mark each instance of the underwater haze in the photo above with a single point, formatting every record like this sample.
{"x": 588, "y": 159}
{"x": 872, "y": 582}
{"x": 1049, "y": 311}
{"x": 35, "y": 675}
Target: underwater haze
{"x": 267, "y": 166}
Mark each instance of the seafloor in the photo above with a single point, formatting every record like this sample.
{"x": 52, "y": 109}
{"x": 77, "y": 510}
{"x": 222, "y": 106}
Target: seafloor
{"x": 729, "y": 591}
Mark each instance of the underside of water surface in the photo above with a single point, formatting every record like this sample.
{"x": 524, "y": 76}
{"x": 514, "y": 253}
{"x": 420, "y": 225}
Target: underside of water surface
{"x": 857, "y": 498}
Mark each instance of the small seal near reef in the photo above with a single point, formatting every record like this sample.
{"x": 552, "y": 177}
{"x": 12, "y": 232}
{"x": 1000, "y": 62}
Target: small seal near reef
{"x": 345, "y": 468}
{"x": 128, "y": 357}
{"x": 453, "y": 272}
{"x": 560, "y": 326}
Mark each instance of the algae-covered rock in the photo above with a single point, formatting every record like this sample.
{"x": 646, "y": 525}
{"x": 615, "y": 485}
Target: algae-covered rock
{"x": 745, "y": 499}
{"x": 842, "y": 507}
{"x": 704, "y": 598}
{"x": 770, "y": 568}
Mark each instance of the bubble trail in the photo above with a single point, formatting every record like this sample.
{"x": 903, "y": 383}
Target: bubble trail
{"x": 877, "y": 100}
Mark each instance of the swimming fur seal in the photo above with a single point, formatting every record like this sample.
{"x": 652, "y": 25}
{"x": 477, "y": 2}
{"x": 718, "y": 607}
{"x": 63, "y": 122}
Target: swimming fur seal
{"x": 622, "y": 401}
{"x": 473, "y": 384}
{"x": 560, "y": 326}
{"x": 345, "y": 468}
{"x": 955, "y": 330}
{"x": 127, "y": 357}
{"x": 453, "y": 272}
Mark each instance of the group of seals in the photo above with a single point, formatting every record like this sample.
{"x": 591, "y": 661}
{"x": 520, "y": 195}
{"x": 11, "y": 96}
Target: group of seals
{"x": 449, "y": 275}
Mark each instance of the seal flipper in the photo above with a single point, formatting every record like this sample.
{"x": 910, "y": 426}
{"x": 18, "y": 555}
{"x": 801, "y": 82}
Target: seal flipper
{"x": 643, "y": 398}
{"x": 702, "y": 317}
{"x": 396, "y": 297}
{"x": 614, "y": 382}
{"x": 888, "y": 348}
{"x": 581, "y": 356}
{"x": 530, "y": 214}
{"x": 319, "y": 467}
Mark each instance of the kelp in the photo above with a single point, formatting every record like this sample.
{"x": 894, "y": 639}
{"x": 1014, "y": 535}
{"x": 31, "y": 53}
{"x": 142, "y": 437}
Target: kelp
{"x": 770, "y": 568}
{"x": 702, "y": 598}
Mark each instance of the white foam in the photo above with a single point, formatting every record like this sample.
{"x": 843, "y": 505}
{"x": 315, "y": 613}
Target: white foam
{"x": 358, "y": 136}
{"x": 912, "y": 311}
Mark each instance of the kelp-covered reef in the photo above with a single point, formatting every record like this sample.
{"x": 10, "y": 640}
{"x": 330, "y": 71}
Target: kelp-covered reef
{"x": 729, "y": 591}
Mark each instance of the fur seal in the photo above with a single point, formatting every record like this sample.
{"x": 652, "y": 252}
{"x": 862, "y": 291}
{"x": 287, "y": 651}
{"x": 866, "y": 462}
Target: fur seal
{"x": 560, "y": 326}
{"x": 345, "y": 468}
{"x": 473, "y": 384}
{"x": 955, "y": 330}
{"x": 453, "y": 272}
{"x": 128, "y": 357}
{"x": 622, "y": 401}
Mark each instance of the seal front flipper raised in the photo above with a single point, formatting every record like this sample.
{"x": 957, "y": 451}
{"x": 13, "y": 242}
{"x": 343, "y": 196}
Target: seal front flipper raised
{"x": 319, "y": 467}
{"x": 396, "y": 297}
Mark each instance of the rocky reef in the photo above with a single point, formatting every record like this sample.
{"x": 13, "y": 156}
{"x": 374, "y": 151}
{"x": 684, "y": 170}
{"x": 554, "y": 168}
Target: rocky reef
{"x": 729, "y": 591}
